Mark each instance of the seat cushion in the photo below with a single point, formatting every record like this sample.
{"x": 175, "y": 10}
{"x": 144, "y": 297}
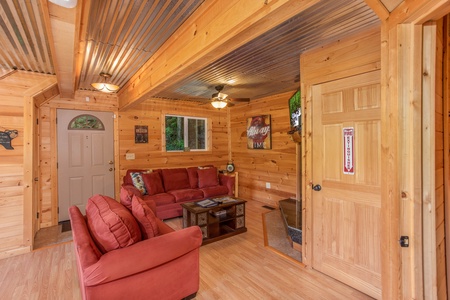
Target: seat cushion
{"x": 175, "y": 179}
{"x": 145, "y": 218}
{"x": 111, "y": 224}
{"x": 160, "y": 199}
{"x": 207, "y": 177}
{"x": 153, "y": 183}
{"x": 187, "y": 194}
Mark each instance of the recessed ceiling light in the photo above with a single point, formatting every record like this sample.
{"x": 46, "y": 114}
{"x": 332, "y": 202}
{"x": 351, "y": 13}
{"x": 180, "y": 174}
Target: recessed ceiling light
{"x": 231, "y": 81}
{"x": 65, "y": 3}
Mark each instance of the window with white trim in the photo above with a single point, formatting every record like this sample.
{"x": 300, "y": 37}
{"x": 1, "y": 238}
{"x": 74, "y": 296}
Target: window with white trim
{"x": 185, "y": 132}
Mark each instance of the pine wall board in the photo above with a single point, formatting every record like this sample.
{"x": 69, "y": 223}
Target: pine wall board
{"x": 14, "y": 90}
{"x": 257, "y": 167}
{"x": 152, "y": 155}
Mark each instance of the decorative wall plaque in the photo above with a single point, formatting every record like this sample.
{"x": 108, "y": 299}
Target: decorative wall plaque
{"x": 140, "y": 134}
{"x": 258, "y": 132}
{"x": 6, "y": 138}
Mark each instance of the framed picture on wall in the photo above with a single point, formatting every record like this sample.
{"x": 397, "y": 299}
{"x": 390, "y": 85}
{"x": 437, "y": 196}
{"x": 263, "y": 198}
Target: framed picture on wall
{"x": 141, "y": 134}
{"x": 259, "y": 132}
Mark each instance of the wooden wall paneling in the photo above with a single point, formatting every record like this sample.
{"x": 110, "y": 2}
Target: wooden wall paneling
{"x": 439, "y": 163}
{"x": 276, "y": 166}
{"x": 45, "y": 166}
{"x": 446, "y": 120}
{"x": 429, "y": 175}
{"x": 152, "y": 154}
{"x": 18, "y": 166}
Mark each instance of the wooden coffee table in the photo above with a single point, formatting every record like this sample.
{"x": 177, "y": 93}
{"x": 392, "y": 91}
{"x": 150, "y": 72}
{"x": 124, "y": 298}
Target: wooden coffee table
{"x": 216, "y": 222}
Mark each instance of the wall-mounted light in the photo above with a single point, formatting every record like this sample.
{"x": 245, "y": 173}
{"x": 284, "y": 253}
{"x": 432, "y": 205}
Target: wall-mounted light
{"x": 104, "y": 86}
{"x": 65, "y": 3}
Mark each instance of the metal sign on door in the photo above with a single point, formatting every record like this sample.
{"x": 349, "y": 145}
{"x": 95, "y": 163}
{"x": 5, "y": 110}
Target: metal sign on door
{"x": 349, "y": 158}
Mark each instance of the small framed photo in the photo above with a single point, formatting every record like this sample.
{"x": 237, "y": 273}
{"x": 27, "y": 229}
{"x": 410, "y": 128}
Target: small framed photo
{"x": 141, "y": 134}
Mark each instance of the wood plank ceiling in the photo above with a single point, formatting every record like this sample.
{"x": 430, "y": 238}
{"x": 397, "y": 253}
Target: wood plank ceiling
{"x": 121, "y": 35}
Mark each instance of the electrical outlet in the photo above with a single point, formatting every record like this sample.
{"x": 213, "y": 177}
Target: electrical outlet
{"x": 267, "y": 185}
{"x": 130, "y": 156}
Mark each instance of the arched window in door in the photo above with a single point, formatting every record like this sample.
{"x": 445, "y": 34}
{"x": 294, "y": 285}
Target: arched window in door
{"x": 86, "y": 122}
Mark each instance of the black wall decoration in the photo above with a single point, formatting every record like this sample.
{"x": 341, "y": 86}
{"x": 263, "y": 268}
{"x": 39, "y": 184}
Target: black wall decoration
{"x": 6, "y": 138}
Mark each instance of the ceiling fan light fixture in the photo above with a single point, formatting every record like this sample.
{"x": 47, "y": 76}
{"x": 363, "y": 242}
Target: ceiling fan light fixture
{"x": 218, "y": 104}
{"x": 104, "y": 86}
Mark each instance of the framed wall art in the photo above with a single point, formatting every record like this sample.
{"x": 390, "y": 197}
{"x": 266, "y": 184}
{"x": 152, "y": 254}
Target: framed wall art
{"x": 259, "y": 132}
{"x": 141, "y": 134}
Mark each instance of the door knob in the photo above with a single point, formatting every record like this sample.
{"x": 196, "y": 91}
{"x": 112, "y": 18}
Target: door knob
{"x": 316, "y": 187}
{"x": 110, "y": 169}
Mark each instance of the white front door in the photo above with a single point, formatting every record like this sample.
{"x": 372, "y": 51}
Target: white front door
{"x": 85, "y": 157}
{"x": 347, "y": 165}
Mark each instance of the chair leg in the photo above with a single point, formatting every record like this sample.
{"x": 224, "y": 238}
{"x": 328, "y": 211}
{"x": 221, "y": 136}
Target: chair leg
{"x": 190, "y": 297}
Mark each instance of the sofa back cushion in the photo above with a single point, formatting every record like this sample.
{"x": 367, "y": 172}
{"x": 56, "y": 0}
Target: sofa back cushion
{"x": 111, "y": 224}
{"x": 153, "y": 183}
{"x": 127, "y": 178}
{"x": 193, "y": 177}
{"x": 175, "y": 179}
{"x": 207, "y": 177}
{"x": 145, "y": 218}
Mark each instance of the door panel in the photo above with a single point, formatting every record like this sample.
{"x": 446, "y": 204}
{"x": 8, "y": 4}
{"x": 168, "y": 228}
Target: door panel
{"x": 346, "y": 211}
{"x": 85, "y": 160}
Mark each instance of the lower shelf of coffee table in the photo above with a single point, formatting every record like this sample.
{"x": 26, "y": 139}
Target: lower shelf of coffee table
{"x": 224, "y": 235}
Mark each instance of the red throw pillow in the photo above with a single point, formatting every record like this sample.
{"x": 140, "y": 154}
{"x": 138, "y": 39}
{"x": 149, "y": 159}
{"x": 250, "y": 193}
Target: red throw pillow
{"x": 207, "y": 177}
{"x": 145, "y": 217}
{"x": 153, "y": 183}
{"x": 126, "y": 193}
{"x": 111, "y": 225}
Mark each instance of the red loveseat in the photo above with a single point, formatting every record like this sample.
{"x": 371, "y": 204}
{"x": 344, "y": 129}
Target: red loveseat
{"x": 168, "y": 188}
{"x": 117, "y": 261}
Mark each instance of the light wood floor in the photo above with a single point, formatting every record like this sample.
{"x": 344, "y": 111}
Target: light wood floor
{"x": 239, "y": 267}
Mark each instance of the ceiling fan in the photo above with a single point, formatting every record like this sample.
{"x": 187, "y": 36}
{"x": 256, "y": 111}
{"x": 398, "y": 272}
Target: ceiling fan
{"x": 220, "y": 100}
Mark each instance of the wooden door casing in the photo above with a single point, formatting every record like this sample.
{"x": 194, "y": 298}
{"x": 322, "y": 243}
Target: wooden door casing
{"x": 346, "y": 211}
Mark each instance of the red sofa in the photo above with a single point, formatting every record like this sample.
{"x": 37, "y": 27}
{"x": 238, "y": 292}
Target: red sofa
{"x": 168, "y": 188}
{"x": 128, "y": 266}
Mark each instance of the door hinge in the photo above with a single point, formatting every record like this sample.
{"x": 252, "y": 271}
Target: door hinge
{"x": 37, "y": 215}
{"x": 58, "y": 209}
{"x": 404, "y": 241}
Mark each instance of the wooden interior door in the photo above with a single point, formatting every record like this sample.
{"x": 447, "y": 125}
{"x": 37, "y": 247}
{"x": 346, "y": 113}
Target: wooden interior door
{"x": 346, "y": 145}
{"x": 85, "y": 160}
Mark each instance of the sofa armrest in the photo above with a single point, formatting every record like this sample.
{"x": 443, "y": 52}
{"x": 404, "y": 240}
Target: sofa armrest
{"x": 143, "y": 256}
{"x": 229, "y": 182}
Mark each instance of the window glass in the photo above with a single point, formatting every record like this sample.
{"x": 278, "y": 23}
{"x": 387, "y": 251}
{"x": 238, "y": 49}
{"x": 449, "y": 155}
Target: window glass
{"x": 185, "y": 132}
{"x": 86, "y": 122}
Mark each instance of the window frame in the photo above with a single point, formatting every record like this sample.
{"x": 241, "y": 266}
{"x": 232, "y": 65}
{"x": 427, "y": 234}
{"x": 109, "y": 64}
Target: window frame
{"x": 185, "y": 133}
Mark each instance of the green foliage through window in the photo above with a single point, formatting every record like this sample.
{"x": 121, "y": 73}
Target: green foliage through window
{"x": 185, "y": 132}
{"x": 86, "y": 122}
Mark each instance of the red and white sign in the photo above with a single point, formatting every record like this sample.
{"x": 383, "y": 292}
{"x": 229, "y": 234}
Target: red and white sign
{"x": 349, "y": 154}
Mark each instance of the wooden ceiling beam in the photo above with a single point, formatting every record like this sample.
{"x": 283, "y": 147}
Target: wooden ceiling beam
{"x": 418, "y": 11}
{"x": 214, "y": 29}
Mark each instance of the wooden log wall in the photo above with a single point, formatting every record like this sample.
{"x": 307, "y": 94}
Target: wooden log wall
{"x": 257, "y": 167}
{"x": 439, "y": 163}
{"x": 152, "y": 113}
{"x": 16, "y": 220}
{"x": 83, "y": 100}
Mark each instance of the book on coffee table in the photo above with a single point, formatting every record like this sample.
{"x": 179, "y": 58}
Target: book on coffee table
{"x": 206, "y": 203}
